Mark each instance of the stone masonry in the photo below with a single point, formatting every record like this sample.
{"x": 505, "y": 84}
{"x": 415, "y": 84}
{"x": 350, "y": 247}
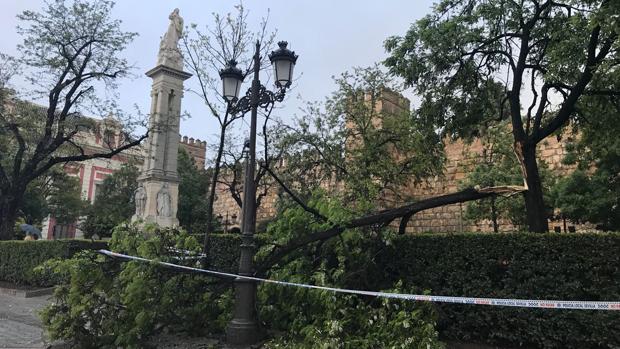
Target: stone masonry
{"x": 196, "y": 149}
{"x": 158, "y": 185}
{"x": 459, "y": 158}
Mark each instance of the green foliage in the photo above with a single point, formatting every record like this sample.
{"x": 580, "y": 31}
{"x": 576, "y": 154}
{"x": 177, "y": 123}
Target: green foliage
{"x": 96, "y": 37}
{"x": 109, "y": 302}
{"x": 592, "y": 193}
{"x": 498, "y": 166}
{"x": 114, "y": 202}
{"x": 34, "y": 206}
{"x": 19, "y": 258}
{"x": 457, "y": 58}
{"x": 70, "y": 50}
{"x": 193, "y": 187}
{"x": 594, "y": 198}
{"x": 474, "y": 63}
{"x": 321, "y": 319}
{"x": 524, "y": 266}
{"x": 65, "y": 198}
{"x": 224, "y": 252}
{"x": 55, "y": 193}
{"x": 351, "y": 322}
{"x": 364, "y": 136}
{"x": 106, "y": 300}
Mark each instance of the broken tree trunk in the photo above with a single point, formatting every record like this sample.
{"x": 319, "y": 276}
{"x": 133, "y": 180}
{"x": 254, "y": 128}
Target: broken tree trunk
{"x": 385, "y": 217}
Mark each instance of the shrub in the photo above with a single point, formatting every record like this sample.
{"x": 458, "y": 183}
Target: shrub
{"x": 322, "y": 319}
{"x": 526, "y": 266}
{"x": 109, "y": 302}
{"x": 133, "y": 300}
{"x": 19, "y": 258}
{"x": 224, "y": 252}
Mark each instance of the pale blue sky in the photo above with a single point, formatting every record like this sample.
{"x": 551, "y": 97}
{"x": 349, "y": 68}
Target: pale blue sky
{"x": 330, "y": 37}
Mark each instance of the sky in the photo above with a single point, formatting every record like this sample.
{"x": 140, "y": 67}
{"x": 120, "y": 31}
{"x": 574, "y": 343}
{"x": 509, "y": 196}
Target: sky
{"x": 330, "y": 37}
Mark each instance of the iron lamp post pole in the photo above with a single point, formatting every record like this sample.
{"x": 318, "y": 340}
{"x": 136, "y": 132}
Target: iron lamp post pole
{"x": 243, "y": 329}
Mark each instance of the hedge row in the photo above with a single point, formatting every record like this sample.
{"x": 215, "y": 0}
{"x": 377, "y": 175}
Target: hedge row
{"x": 224, "y": 252}
{"x": 19, "y": 258}
{"x": 526, "y": 266}
{"x": 523, "y": 265}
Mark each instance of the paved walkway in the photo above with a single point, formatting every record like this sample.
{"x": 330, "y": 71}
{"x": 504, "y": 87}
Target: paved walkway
{"x": 20, "y": 326}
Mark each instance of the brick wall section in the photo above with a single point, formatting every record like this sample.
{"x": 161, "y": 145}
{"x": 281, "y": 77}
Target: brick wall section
{"x": 225, "y": 204}
{"x": 459, "y": 157}
{"x": 196, "y": 149}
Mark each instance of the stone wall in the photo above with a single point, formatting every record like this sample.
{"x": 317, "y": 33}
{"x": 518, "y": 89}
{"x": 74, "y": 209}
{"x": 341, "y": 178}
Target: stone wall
{"x": 226, "y": 206}
{"x": 196, "y": 148}
{"x": 459, "y": 158}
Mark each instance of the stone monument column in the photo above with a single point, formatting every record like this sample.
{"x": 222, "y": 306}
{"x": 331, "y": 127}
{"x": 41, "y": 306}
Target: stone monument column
{"x": 158, "y": 184}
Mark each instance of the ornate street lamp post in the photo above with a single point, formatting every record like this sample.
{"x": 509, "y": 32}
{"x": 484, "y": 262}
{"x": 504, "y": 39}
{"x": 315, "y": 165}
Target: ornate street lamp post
{"x": 243, "y": 329}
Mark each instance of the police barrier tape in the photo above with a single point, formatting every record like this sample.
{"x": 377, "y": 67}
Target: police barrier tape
{"x": 523, "y": 303}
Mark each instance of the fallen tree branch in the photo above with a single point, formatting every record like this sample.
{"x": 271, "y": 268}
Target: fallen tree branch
{"x": 402, "y": 227}
{"x": 382, "y": 217}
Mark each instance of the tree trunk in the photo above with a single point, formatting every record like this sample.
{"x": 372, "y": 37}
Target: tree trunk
{"x": 534, "y": 202}
{"x": 9, "y": 204}
{"x": 214, "y": 177}
{"x": 494, "y": 215}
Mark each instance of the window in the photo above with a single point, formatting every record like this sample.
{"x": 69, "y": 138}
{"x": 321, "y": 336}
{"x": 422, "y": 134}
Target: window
{"x": 108, "y": 139}
{"x": 98, "y": 187}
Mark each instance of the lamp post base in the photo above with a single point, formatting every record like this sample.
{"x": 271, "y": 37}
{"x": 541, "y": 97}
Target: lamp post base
{"x": 241, "y": 332}
{"x": 243, "y": 329}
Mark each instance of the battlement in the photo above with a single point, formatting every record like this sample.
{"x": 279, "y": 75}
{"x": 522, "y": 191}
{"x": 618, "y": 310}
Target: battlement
{"x": 193, "y": 142}
{"x": 196, "y": 148}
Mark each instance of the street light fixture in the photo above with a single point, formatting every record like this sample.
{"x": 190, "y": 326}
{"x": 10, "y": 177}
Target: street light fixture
{"x": 283, "y": 61}
{"x": 243, "y": 329}
{"x": 232, "y": 78}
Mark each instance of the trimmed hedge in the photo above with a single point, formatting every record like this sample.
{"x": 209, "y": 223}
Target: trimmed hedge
{"x": 520, "y": 265}
{"x": 523, "y": 265}
{"x": 526, "y": 266}
{"x": 19, "y": 258}
{"x": 224, "y": 252}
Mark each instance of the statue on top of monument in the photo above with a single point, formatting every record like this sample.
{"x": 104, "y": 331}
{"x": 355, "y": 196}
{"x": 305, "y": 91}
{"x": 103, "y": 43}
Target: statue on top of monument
{"x": 169, "y": 53}
{"x": 175, "y": 30}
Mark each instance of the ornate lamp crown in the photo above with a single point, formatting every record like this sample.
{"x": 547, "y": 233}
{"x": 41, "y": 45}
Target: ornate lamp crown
{"x": 232, "y": 77}
{"x": 231, "y": 71}
{"x": 283, "y": 53}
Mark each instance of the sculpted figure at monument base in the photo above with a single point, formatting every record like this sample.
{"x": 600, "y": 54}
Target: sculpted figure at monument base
{"x": 160, "y": 205}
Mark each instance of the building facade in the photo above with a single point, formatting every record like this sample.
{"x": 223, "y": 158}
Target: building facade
{"x": 91, "y": 173}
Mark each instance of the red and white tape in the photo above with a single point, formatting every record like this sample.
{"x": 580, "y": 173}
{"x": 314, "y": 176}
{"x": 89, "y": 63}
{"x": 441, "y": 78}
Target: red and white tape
{"x": 522, "y": 303}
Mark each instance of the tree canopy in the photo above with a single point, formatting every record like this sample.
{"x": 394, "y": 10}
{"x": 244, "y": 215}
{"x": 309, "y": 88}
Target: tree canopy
{"x": 363, "y": 136}
{"x": 193, "y": 188}
{"x": 592, "y": 193}
{"x": 70, "y": 50}
{"x": 114, "y": 202}
{"x": 476, "y": 62}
